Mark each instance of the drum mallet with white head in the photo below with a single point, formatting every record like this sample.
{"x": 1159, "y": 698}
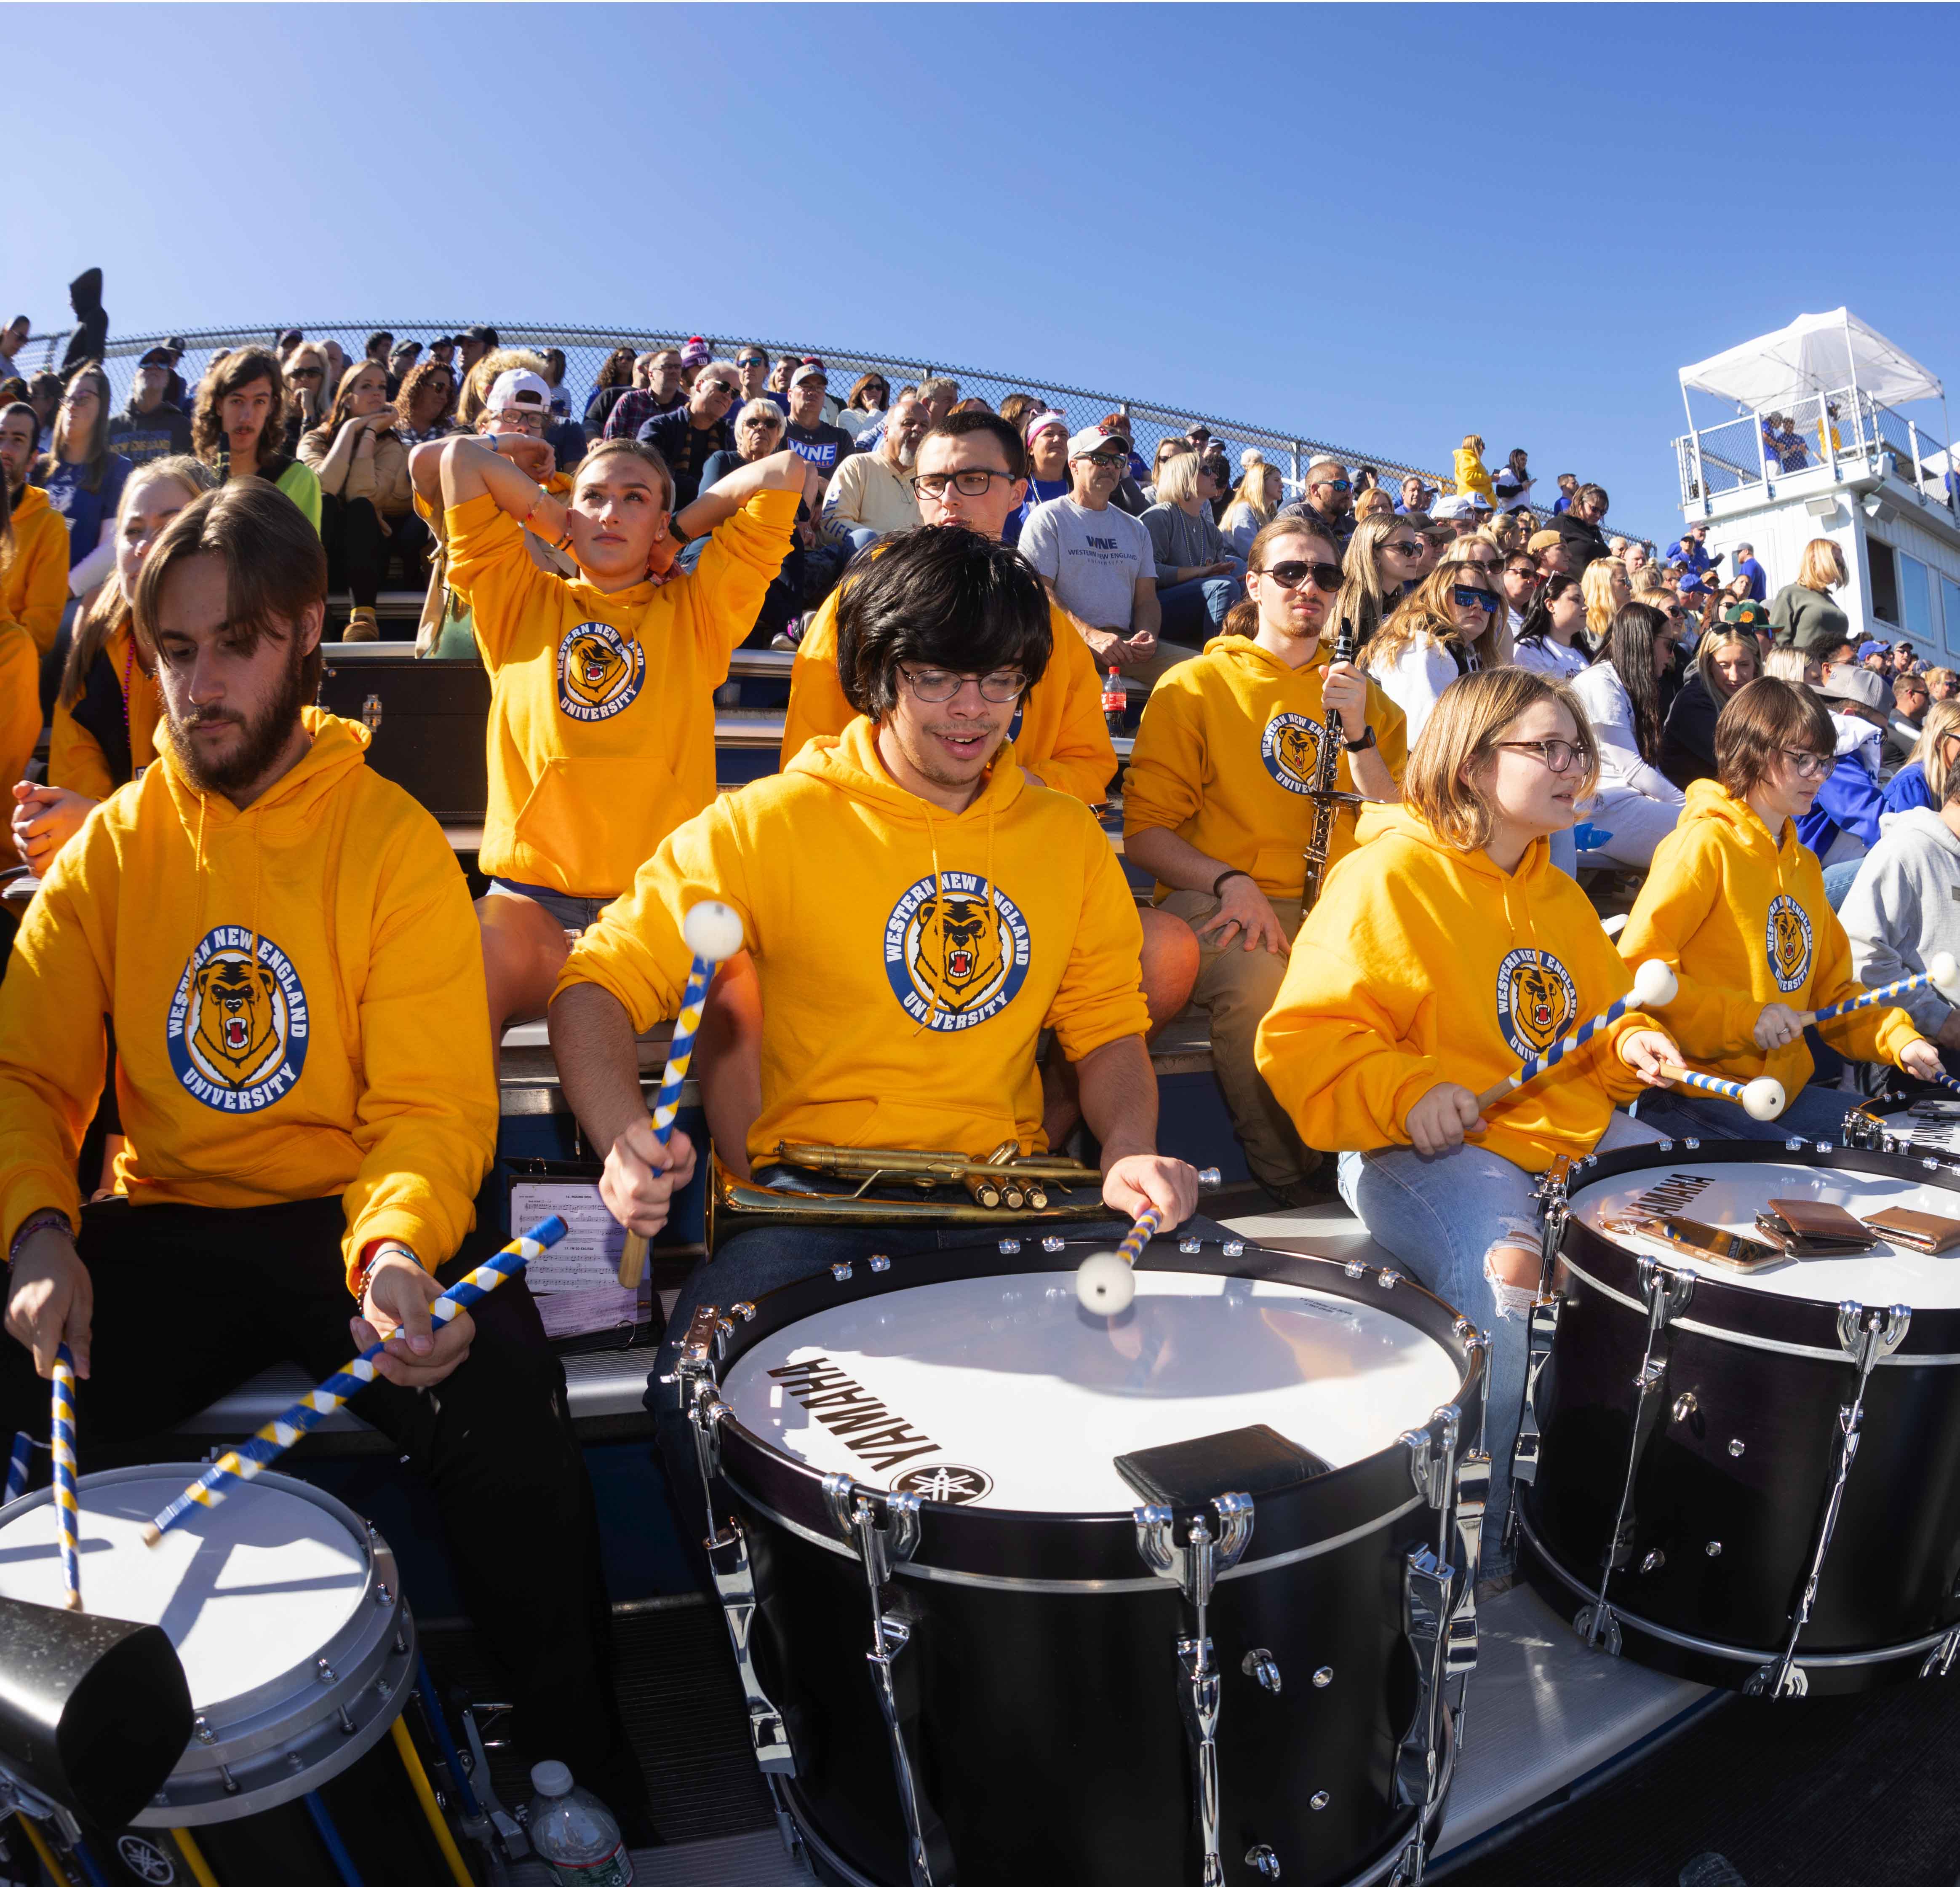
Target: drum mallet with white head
{"x": 1761, "y": 1099}
{"x": 1654, "y": 987}
{"x": 1107, "y": 1282}
{"x": 244, "y": 1462}
{"x": 1941, "y": 973}
{"x": 714, "y": 932}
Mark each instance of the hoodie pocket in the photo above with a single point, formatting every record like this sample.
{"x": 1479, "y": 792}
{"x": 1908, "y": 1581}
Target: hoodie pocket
{"x": 590, "y": 824}
{"x": 1281, "y": 865}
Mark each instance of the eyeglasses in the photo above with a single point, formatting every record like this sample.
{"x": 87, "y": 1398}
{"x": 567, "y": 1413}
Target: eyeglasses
{"x": 303, "y": 373}
{"x": 1003, "y": 685}
{"x": 1464, "y": 597}
{"x": 1809, "y": 766}
{"x": 969, "y": 482}
{"x": 1294, "y": 572}
{"x": 1331, "y": 485}
{"x": 1404, "y": 547}
{"x": 535, "y": 423}
{"x": 1557, "y": 755}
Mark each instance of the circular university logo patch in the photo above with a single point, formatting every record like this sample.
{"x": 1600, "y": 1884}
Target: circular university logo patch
{"x": 237, "y": 1031}
{"x": 1291, "y": 750}
{"x": 1786, "y": 939}
{"x": 952, "y": 957}
{"x": 1536, "y": 1001}
{"x": 599, "y": 672}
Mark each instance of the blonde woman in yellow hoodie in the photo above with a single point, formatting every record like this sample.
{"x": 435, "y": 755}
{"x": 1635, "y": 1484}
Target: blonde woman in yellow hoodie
{"x": 1444, "y": 953}
{"x": 1471, "y": 475}
{"x": 1736, "y": 903}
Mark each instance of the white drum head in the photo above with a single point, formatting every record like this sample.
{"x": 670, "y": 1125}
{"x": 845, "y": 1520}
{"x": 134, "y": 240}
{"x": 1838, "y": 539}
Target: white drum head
{"x": 1934, "y": 1126}
{"x": 247, "y": 1590}
{"x": 1730, "y": 1196}
{"x": 1003, "y": 1391}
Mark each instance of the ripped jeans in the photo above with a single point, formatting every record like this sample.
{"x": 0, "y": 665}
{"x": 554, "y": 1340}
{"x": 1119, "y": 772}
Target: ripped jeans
{"x": 1440, "y": 1218}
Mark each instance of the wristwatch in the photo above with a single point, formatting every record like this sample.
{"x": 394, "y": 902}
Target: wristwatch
{"x": 1366, "y": 740}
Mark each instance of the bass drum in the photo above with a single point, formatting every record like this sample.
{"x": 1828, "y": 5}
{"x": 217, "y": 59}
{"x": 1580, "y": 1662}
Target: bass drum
{"x": 1751, "y": 1478}
{"x": 914, "y": 1465}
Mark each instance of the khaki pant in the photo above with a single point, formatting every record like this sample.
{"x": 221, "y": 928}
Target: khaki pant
{"x": 1235, "y": 988}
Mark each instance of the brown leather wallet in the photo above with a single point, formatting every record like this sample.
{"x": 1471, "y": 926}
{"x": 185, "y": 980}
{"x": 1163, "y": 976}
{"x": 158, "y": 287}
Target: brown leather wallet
{"x": 1918, "y": 1231}
{"x": 1813, "y": 1228}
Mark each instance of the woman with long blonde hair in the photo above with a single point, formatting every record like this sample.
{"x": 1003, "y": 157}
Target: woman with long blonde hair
{"x": 1604, "y": 586}
{"x": 1801, "y": 613}
{"x": 1256, "y": 498}
{"x": 1923, "y": 780}
{"x": 1452, "y": 625}
{"x": 1380, "y": 564}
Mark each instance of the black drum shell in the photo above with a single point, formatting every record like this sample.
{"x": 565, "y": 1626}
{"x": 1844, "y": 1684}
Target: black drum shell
{"x": 1043, "y": 1662}
{"x": 1889, "y": 1579}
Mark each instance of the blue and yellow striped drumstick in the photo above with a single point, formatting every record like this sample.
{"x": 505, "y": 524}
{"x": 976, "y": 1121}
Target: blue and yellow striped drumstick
{"x": 241, "y": 1464}
{"x": 1761, "y": 1099}
{"x": 1946, "y": 1080}
{"x": 67, "y": 1508}
{"x": 713, "y": 932}
{"x": 1940, "y": 973}
{"x": 18, "y": 1464}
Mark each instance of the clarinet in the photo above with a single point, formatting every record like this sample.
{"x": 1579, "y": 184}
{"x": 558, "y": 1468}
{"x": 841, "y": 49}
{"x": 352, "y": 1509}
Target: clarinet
{"x": 1326, "y": 799}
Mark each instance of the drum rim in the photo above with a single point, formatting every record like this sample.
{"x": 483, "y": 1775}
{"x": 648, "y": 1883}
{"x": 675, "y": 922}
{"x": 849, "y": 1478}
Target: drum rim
{"x": 1731, "y": 1310}
{"x": 296, "y": 1689}
{"x": 1081, "y": 1550}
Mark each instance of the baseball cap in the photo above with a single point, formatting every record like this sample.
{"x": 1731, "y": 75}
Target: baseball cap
{"x": 1542, "y": 540}
{"x": 1472, "y": 501}
{"x": 1042, "y": 421}
{"x": 696, "y": 353}
{"x": 1451, "y": 506}
{"x": 1692, "y": 586}
{"x": 402, "y": 349}
{"x": 561, "y": 402}
{"x": 1859, "y": 685}
{"x": 291, "y": 337}
{"x": 518, "y": 387}
{"x": 1865, "y": 649}
{"x": 157, "y": 357}
{"x": 1746, "y": 616}
{"x": 1092, "y": 439}
{"x": 488, "y": 335}
{"x": 175, "y": 343}
{"x": 809, "y": 372}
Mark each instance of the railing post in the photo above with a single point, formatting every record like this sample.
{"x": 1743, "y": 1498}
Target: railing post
{"x": 1701, "y": 472}
{"x": 1763, "y": 450}
{"x": 1296, "y": 485}
{"x": 1912, "y": 439}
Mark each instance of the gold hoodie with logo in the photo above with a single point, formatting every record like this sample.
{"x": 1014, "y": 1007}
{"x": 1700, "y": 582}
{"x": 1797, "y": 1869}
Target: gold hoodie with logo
{"x": 1228, "y": 746}
{"x": 1743, "y": 919}
{"x": 601, "y": 738}
{"x": 909, "y": 957}
{"x": 298, "y": 995}
{"x": 33, "y": 591}
{"x": 1421, "y": 964}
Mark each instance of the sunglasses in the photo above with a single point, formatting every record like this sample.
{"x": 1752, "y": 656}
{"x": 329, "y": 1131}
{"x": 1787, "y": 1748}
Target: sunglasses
{"x": 1464, "y": 597}
{"x": 1405, "y": 547}
{"x": 1292, "y": 573}
{"x": 1333, "y": 484}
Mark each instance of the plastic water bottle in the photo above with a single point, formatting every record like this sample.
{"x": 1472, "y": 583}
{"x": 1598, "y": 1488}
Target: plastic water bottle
{"x": 574, "y": 1834}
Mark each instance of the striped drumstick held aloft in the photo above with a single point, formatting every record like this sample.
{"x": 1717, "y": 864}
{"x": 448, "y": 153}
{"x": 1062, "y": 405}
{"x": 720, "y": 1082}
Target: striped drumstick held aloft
{"x": 247, "y": 1461}
{"x": 1941, "y": 973}
{"x": 1654, "y": 987}
{"x": 68, "y": 1506}
{"x": 713, "y": 932}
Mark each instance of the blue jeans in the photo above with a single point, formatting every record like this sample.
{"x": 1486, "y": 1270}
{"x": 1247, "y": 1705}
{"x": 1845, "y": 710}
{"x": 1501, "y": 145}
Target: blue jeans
{"x": 1565, "y": 853}
{"x": 1811, "y": 1113}
{"x": 1838, "y": 881}
{"x": 1194, "y": 611}
{"x": 575, "y": 914}
{"x": 1438, "y": 1217}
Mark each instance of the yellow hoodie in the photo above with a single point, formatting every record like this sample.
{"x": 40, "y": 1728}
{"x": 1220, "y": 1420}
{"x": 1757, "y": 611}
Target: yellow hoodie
{"x": 33, "y": 591}
{"x": 1059, "y": 732}
{"x": 1422, "y": 964}
{"x": 1744, "y": 921}
{"x": 1228, "y": 745}
{"x": 1471, "y": 475}
{"x": 898, "y": 1015}
{"x": 298, "y": 995}
{"x": 602, "y": 723}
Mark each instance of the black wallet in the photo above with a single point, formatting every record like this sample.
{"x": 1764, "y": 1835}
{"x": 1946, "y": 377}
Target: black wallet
{"x": 1183, "y": 1474}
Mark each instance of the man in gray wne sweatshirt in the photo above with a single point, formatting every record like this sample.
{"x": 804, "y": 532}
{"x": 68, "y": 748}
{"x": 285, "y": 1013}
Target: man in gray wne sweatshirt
{"x": 1904, "y": 908}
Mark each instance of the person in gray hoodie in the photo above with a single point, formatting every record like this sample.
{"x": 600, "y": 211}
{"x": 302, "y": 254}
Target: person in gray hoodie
{"x": 1904, "y": 908}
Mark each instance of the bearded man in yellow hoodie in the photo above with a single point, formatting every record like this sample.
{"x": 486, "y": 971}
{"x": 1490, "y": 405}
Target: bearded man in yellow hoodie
{"x": 284, "y": 944}
{"x": 918, "y": 912}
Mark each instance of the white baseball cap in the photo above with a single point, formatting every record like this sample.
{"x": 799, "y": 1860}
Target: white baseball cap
{"x": 1091, "y": 440}
{"x": 518, "y": 386}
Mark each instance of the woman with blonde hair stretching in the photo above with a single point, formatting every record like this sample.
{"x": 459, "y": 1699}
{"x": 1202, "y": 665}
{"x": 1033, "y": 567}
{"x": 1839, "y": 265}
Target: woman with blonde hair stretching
{"x": 1441, "y": 954}
{"x": 1451, "y": 625}
{"x": 1801, "y": 613}
{"x": 1380, "y": 564}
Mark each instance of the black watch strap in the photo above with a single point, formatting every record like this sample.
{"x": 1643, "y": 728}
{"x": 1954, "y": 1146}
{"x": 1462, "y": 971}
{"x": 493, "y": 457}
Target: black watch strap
{"x": 1366, "y": 740}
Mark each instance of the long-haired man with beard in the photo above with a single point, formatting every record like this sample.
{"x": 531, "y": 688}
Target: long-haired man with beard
{"x": 285, "y": 945}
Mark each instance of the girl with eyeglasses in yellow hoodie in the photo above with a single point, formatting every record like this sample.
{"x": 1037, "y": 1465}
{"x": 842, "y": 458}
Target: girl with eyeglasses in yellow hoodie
{"x": 1736, "y": 903}
{"x": 1443, "y": 952}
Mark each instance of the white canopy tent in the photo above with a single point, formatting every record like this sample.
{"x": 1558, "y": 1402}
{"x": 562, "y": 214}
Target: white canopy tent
{"x": 1815, "y": 353}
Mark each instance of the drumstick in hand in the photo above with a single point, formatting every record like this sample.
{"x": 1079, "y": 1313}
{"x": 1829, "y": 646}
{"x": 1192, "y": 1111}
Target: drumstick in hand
{"x": 1654, "y": 986}
{"x": 714, "y": 932}
{"x": 1941, "y": 973}
{"x": 1761, "y": 1099}
{"x": 1105, "y": 1283}
{"x": 67, "y": 1508}
{"x": 245, "y": 1463}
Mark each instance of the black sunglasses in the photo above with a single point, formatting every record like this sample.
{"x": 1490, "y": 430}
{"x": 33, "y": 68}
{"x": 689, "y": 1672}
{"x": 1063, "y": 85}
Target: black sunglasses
{"x": 1292, "y": 573}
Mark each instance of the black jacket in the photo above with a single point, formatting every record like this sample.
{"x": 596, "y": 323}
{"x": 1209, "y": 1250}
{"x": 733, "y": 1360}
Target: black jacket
{"x": 1687, "y": 735}
{"x": 91, "y": 324}
{"x": 1588, "y": 540}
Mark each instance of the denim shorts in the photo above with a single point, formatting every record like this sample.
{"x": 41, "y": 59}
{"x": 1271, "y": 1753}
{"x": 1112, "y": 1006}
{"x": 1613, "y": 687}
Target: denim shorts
{"x": 577, "y": 914}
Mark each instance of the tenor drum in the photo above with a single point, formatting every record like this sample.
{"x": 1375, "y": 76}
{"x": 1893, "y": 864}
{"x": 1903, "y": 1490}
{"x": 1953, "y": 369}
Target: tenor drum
{"x": 970, "y": 1654}
{"x": 1748, "y": 1478}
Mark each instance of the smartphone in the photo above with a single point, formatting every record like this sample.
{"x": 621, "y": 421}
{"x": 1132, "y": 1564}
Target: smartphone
{"x": 1735, "y": 1249}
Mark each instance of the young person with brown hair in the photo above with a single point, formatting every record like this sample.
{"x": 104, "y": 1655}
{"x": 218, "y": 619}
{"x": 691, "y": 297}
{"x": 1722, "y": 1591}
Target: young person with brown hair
{"x": 240, "y": 424}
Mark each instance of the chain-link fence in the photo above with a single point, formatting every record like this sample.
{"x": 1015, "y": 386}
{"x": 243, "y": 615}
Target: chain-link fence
{"x": 586, "y": 350}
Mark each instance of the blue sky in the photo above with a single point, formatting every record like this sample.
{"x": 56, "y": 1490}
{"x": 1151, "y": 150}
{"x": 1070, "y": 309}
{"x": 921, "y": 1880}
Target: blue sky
{"x": 1384, "y": 226}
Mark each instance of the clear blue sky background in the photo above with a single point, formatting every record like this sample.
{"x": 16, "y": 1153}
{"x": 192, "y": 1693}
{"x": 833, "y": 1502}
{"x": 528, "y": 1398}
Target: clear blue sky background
{"x": 1384, "y": 226}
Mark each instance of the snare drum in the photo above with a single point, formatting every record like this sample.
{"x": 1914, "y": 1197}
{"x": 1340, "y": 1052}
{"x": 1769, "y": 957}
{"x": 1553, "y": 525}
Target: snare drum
{"x": 916, "y": 1462}
{"x": 1747, "y": 1477}
{"x": 287, "y": 1613}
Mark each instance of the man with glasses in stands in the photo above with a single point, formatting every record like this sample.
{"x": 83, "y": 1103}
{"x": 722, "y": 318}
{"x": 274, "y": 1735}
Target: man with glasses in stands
{"x": 688, "y": 436}
{"x": 1329, "y": 502}
{"x": 660, "y": 393}
{"x": 752, "y": 363}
